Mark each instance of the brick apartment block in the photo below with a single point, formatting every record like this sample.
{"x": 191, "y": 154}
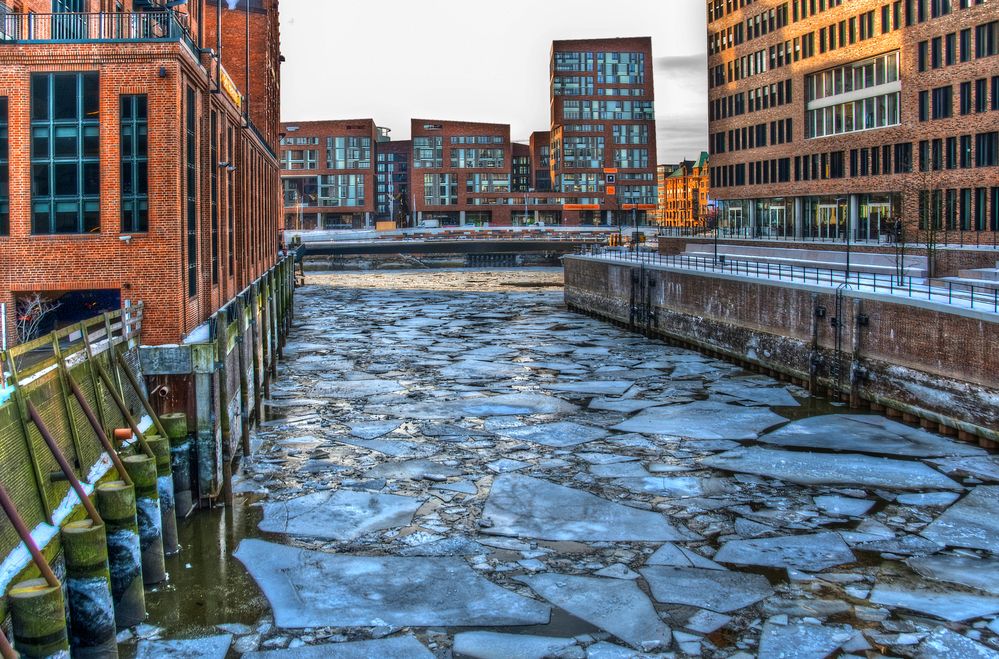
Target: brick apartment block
{"x": 829, "y": 114}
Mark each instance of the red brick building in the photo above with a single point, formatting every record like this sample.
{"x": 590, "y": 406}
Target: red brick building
{"x": 328, "y": 173}
{"x": 683, "y": 193}
{"x": 133, "y": 171}
{"x": 835, "y": 118}
{"x": 603, "y": 130}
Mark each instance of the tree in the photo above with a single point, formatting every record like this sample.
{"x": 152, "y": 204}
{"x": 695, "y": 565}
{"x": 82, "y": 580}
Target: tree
{"x": 29, "y": 312}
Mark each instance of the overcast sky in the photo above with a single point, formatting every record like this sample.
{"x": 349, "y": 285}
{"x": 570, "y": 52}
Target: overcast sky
{"x": 456, "y": 59}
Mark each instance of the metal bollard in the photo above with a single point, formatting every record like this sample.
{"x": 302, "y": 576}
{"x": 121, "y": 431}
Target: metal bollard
{"x": 164, "y": 484}
{"x": 39, "y": 619}
{"x": 91, "y": 606}
{"x": 175, "y": 424}
{"x": 142, "y": 470}
{"x": 116, "y": 501}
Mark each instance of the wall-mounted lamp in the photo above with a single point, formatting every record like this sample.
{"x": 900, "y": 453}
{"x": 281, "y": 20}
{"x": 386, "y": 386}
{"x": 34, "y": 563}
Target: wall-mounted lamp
{"x": 224, "y": 164}
{"x": 231, "y": 168}
{"x": 162, "y": 72}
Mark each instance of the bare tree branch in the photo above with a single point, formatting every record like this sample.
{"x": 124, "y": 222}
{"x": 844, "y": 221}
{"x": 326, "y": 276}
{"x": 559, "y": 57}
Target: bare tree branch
{"x": 30, "y": 311}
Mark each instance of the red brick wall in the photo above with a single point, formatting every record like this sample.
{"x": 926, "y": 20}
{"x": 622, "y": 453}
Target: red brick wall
{"x": 150, "y": 266}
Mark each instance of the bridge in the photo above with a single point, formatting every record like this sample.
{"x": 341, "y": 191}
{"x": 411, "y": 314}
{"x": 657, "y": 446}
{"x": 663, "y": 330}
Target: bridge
{"x": 464, "y": 240}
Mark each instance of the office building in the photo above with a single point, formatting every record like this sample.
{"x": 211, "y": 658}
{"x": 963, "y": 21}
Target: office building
{"x": 831, "y": 119}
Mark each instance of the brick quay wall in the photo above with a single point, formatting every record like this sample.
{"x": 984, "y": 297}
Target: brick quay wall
{"x": 922, "y": 361}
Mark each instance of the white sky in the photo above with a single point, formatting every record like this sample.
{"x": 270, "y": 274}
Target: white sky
{"x": 455, "y": 59}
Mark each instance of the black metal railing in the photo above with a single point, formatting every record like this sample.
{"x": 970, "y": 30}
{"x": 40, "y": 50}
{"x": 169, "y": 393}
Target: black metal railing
{"x": 980, "y": 298}
{"x": 944, "y": 237}
{"x": 101, "y": 27}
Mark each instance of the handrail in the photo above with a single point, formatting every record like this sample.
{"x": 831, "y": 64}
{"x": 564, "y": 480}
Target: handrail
{"x": 957, "y": 294}
{"x": 18, "y": 28}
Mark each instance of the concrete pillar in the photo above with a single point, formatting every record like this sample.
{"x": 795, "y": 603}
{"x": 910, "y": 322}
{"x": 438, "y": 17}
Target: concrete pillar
{"x": 537, "y": 216}
{"x": 367, "y": 219}
{"x": 854, "y": 216}
{"x": 799, "y": 217}
{"x": 461, "y": 218}
{"x": 752, "y": 217}
{"x": 608, "y": 220}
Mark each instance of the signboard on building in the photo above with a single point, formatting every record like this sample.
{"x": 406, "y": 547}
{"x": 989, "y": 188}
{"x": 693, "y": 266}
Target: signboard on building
{"x": 581, "y": 207}
{"x": 229, "y": 87}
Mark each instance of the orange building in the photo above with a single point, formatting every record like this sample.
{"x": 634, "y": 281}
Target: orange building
{"x": 683, "y": 193}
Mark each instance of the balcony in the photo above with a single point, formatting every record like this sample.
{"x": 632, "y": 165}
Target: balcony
{"x": 72, "y": 28}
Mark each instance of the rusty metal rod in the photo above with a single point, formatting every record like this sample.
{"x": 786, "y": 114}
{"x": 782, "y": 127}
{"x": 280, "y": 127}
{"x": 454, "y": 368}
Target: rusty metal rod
{"x": 134, "y": 381}
{"x": 15, "y": 519}
{"x": 98, "y": 430}
{"x": 123, "y": 408}
{"x": 67, "y": 468}
{"x": 6, "y": 650}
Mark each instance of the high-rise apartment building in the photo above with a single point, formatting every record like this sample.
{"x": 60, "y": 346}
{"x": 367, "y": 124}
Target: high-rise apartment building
{"x": 603, "y": 129}
{"x": 831, "y": 118}
{"x": 129, "y": 164}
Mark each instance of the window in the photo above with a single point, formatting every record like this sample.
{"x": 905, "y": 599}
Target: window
{"x": 981, "y": 95}
{"x": 349, "y": 152}
{"x": 987, "y": 39}
{"x": 835, "y": 106}
{"x": 995, "y": 92}
{"x": 134, "y": 164}
{"x": 65, "y": 153}
{"x": 474, "y": 158}
{"x": 987, "y": 149}
{"x": 428, "y": 152}
{"x": 572, "y": 86}
{"x": 301, "y": 159}
{"x": 965, "y": 98}
{"x": 966, "y": 45}
{"x": 573, "y": 62}
{"x": 965, "y": 151}
{"x": 342, "y": 190}
{"x": 4, "y": 171}
{"x": 213, "y": 162}
{"x": 631, "y": 134}
{"x": 191, "y": 168}
{"x": 231, "y": 205}
{"x": 621, "y": 68}
{"x": 943, "y": 102}
{"x": 631, "y": 158}
{"x": 440, "y": 190}
{"x": 924, "y": 105}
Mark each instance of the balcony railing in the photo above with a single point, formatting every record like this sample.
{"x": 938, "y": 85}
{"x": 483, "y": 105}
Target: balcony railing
{"x": 161, "y": 26}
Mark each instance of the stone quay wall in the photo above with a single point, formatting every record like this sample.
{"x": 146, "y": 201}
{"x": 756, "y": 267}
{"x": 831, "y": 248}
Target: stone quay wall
{"x": 922, "y": 361}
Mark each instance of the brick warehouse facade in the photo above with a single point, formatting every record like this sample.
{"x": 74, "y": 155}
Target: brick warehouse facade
{"x": 829, "y": 116}
{"x": 683, "y": 194}
{"x": 132, "y": 173}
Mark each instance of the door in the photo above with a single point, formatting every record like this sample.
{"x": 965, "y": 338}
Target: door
{"x": 734, "y": 220}
{"x": 874, "y": 225}
{"x": 776, "y": 225}
{"x": 829, "y": 222}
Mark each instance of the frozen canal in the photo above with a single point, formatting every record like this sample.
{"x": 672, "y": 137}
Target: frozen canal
{"x": 457, "y": 466}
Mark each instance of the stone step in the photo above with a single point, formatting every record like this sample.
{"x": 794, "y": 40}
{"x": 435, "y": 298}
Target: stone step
{"x": 966, "y": 284}
{"x": 986, "y": 274}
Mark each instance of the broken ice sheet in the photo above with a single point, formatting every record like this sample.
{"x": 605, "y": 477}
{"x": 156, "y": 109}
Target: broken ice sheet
{"x": 720, "y": 591}
{"x": 412, "y": 470}
{"x": 945, "y": 643}
{"x": 478, "y": 406}
{"x": 802, "y": 640}
{"x": 671, "y": 555}
{"x": 971, "y": 522}
{"x": 372, "y": 429}
{"x": 211, "y": 647}
{"x": 559, "y": 434}
{"x": 494, "y": 645}
{"x": 831, "y": 469}
{"x": 984, "y": 468}
{"x": 356, "y": 389}
{"x": 396, "y": 449}
{"x": 980, "y": 573}
{"x": 949, "y": 605}
{"x": 338, "y": 515}
{"x": 703, "y": 420}
{"x": 601, "y": 387}
{"x": 473, "y": 369}
{"x": 399, "y": 647}
{"x": 623, "y": 405}
{"x": 838, "y": 505}
{"x": 866, "y": 433}
{"x": 315, "y": 589}
{"x": 813, "y": 552}
{"x": 536, "y": 508}
{"x": 617, "y": 606}
{"x": 755, "y": 391}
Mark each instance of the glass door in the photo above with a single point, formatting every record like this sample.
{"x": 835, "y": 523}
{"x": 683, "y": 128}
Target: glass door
{"x": 778, "y": 214}
{"x": 829, "y": 221}
{"x": 734, "y": 220}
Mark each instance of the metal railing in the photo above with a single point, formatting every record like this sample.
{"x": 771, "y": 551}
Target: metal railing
{"x": 944, "y": 237}
{"x": 101, "y": 27}
{"x": 968, "y": 296}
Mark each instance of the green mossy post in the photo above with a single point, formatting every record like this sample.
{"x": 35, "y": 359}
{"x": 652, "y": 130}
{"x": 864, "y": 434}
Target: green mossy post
{"x": 39, "y": 619}
{"x": 180, "y": 461}
{"x": 164, "y": 480}
{"x": 88, "y": 578}
{"x": 116, "y": 502}
{"x": 142, "y": 470}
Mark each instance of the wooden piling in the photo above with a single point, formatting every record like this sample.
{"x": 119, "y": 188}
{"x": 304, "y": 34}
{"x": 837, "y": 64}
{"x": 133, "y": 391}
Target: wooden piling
{"x": 142, "y": 470}
{"x": 116, "y": 501}
{"x": 39, "y": 619}
{"x": 180, "y": 461}
{"x": 164, "y": 484}
{"x": 88, "y": 579}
